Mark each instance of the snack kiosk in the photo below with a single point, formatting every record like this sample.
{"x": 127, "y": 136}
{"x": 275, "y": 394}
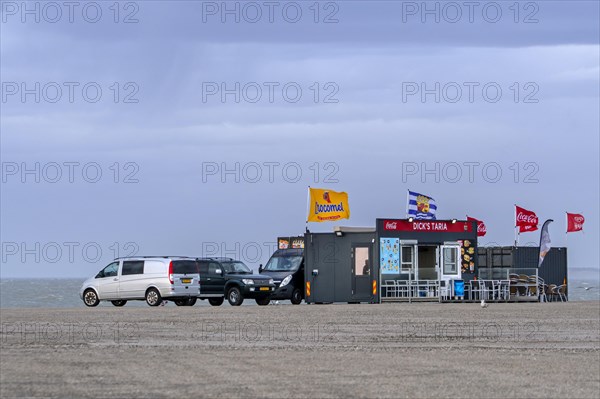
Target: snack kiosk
{"x": 398, "y": 260}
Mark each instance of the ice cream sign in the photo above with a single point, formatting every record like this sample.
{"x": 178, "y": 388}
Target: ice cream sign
{"x": 427, "y": 226}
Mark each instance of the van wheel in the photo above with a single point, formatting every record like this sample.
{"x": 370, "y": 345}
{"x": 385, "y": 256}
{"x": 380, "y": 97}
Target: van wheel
{"x": 296, "y": 297}
{"x": 263, "y": 301}
{"x": 216, "y": 301}
{"x": 90, "y": 298}
{"x": 234, "y": 296}
{"x": 191, "y": 301}
{"x": 181, "y": 302}
{"x": 119, "y": 303}
{"x": 153, "y": 297}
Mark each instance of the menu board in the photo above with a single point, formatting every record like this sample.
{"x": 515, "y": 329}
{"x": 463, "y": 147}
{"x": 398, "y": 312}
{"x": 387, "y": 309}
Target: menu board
{"x": 297, "y": 242}
{"x": 467, "y": 255}
{"x": 389, "y": 248}
{"x": 290, "y": 242}
{"x": 283, "y": 243}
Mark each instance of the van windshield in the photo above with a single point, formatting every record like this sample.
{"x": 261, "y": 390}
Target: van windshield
{"x": 185, "y": 267}
{"x": 283, "y": 263}
{"x": 236, "y": 267}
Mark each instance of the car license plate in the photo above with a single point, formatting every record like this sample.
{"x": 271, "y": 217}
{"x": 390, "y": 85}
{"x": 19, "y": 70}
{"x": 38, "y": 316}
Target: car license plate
{"x": 264, "y": 288}
{"x": 186, "y": 280}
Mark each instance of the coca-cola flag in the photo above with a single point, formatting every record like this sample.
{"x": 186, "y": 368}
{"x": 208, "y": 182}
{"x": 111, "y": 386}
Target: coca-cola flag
{"x": 526, "y": 220}
{"x": 574, "y": 222}
{"x": 481, "y": 229}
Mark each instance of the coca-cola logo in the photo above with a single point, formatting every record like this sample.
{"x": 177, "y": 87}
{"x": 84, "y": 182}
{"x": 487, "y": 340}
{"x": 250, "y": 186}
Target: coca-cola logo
{"x": 527, "y": 218}
{"x": 481, "y": 228}
{"x": 578, "y": 219}
{"x": 391, "y": 225}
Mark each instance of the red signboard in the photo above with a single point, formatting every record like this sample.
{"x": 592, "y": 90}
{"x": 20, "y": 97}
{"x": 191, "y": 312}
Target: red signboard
{"x": 426, "y": 226}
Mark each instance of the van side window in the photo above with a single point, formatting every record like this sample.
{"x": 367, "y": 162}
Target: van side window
{"x": 110, "y": 270}
{"x": 212, "y": 267}
{"x": 203, "y": 267}
{"x": 132, "y": 267}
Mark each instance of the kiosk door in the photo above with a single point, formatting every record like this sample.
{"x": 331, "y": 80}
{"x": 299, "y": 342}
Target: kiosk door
{"x": 409, "y": 261}
{"x": 450, "y": 263}
{"x": 361, "y": 271}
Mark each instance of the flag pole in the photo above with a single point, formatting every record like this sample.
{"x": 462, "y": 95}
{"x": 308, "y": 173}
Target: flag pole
{"x": 516, "y": 234}
{"x": 307, "y": 208}
{"x": 407, "y": 201}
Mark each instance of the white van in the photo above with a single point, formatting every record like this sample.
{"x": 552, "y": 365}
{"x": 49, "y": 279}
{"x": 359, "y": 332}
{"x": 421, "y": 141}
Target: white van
{"x": 149, "y": 278}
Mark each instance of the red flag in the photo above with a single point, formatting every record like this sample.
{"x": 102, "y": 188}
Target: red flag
{"x": 526, "y": 220}
{"x": 574, "y": 222}
{"x": 481, "y": 229}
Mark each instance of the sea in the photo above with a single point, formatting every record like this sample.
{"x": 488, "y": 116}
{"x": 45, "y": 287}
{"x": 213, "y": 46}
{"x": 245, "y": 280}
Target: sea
{"x": 64, "y": 293}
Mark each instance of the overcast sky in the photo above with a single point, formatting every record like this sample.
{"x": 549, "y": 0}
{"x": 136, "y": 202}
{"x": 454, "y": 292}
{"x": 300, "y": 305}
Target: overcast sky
{"x": 357, "y": 96}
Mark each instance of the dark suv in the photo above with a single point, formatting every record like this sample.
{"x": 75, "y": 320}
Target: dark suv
{"x": 222, "y": 278}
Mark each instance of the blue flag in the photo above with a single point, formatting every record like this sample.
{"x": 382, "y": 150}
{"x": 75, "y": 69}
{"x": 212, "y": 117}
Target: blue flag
{"x": 421, "y": 206}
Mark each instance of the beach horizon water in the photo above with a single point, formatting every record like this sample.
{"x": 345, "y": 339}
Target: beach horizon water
{"x": 64, "y": 293}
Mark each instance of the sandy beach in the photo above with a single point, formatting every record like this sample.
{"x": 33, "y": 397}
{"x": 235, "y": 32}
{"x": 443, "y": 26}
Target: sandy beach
{"x": 389, "y": 350}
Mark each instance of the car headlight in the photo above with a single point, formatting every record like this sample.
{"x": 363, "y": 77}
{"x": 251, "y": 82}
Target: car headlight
{"x": 248, "y": 281}
{"x": 286, "y": 281}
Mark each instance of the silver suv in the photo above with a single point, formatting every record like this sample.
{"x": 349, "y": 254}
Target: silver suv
{"x": 149, "y": 278}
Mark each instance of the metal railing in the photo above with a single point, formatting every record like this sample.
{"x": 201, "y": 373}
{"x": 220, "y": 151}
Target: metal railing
{"x": 410, "y": 289}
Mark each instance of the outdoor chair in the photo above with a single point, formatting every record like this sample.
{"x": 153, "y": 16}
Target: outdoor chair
{"x": 504, "y": 290}
{"x": 532, "y": 290}
{"x": 468, "y": 288}
{"x": 484, "y": 290}
{"x": 402, "y": 288}
{"x": 541, "y": 289}
{"x": 475, "y": 290}
{"x": 532, "y": 283}
{"x": 444, "y": 290}
{"x": 547, "y": 293}
{"x": 391, "y": 290}
{"x": 514, "y": 291}
{"x": 551, "y": 292}
{"x": 561, "y": 291}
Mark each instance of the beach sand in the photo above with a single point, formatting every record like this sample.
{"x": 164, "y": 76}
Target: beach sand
{"x": 388, "y": 350}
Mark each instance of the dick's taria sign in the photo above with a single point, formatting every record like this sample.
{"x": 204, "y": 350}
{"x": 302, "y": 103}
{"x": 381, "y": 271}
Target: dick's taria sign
{"x": 428, "y": 226}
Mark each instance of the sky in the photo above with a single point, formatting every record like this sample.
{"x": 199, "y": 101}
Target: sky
{"x": 195, "y": 128}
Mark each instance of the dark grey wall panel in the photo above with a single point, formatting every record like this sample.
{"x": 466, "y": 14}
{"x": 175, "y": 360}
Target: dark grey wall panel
{"x": 332, "y": 257}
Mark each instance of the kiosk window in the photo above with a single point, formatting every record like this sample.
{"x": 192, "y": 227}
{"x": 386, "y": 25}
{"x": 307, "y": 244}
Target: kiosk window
{"x": 362, "y": 263}
{"x": 408, "y": 257}
{"x": 450, "y": 261}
